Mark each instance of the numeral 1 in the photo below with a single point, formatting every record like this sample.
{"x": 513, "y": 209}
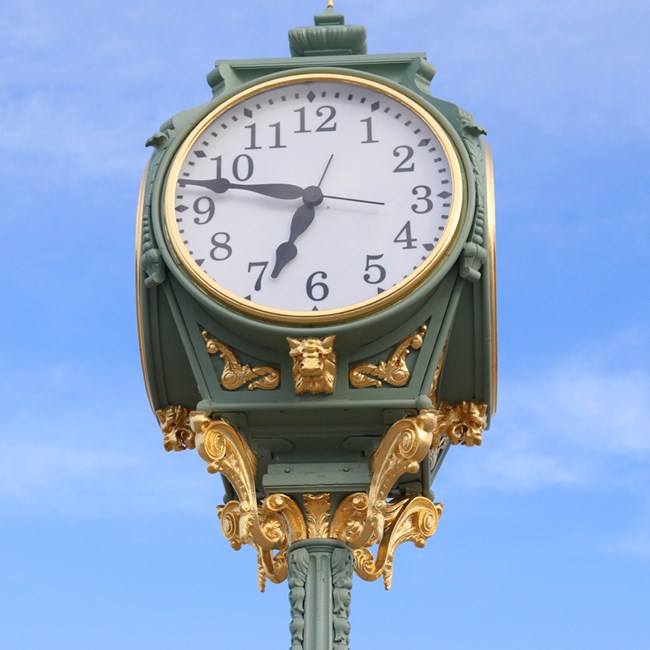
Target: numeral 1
{"x": 277, "y": 144}
{"x": 253, "y": 130}
{"x": 368, "y": 139}
{"x": 302, "y": 129}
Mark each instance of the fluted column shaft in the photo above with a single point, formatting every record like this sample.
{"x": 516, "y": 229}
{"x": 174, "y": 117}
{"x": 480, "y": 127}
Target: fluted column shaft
{"x": 320, "y": 580}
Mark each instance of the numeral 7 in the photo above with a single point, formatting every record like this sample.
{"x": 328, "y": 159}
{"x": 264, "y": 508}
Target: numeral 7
{"x": 258, "y": 283}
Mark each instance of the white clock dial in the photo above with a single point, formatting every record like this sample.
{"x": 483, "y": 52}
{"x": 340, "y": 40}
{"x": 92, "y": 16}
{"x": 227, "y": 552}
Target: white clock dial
{"x": 317, "y": 197}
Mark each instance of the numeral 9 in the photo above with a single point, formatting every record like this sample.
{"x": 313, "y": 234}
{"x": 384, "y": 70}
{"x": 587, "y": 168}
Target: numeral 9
{"x": 207, "y": 210}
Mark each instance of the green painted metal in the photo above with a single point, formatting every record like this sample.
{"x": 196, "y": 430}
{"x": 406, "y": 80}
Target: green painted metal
{"x": 344, "y": 428}
{"x": 320, "y": 582}
{"x": 330, "y": 36}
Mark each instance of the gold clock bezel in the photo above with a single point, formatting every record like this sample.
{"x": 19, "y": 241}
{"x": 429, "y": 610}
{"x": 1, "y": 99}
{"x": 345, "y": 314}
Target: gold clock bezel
{"x": 491, "y": 221}
{"x": 138, "y": 290}
{"x": 339, "y": 314}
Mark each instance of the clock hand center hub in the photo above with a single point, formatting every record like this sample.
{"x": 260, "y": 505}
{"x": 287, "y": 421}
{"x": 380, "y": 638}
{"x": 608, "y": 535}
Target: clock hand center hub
{"x": 312, "y": 195}
{"x": 220, "y": 185}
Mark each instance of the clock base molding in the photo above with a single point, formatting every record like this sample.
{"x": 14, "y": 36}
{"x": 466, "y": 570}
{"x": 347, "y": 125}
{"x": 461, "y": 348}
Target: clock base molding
{"x": 361, "y": 519}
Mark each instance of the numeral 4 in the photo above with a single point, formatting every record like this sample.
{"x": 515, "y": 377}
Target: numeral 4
{"x": 404, "y": 236}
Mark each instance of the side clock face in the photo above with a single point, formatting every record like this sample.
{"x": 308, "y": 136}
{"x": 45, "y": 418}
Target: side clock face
{"x": 314, "y": 199}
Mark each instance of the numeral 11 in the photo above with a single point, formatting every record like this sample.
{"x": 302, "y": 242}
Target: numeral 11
{"x": 253, "y": 133}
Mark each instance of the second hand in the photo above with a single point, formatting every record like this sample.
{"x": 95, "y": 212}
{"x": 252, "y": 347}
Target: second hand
{"x": 322, "y": 178}
{"x": 342, "y": 198}
{"x": 345, "y": 198}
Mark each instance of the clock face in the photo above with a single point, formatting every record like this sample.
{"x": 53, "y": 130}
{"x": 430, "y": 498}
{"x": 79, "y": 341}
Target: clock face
{"x": 313, "y": 199}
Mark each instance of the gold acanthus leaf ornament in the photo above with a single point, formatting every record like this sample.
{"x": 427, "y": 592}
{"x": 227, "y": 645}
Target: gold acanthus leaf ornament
{"x": 274, "y": 524}
{"x": 394, "y": 371}
{"x": 317, "y": 510}
{"x": 235, "y": 375}
{"x": 175, "y": 424}
{"x": 462, "y": 423}
{"x": 438, "y": 446}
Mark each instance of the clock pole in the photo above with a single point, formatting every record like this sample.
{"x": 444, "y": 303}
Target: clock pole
{"x": 323, "y": 373}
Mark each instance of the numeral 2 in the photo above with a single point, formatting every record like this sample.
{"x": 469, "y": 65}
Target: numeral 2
{"x": 407, "y": 152}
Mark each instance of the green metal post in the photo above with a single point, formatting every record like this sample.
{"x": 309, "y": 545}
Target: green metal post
{"x": 320, "y": 580}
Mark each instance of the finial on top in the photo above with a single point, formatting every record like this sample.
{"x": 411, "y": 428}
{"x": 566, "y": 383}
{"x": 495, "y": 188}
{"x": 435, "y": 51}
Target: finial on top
{"x": 329, "y": 36}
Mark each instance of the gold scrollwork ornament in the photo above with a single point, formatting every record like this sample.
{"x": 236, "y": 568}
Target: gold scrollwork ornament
{"x": 361, "y": 519}
{"x": 274, "y": 524}
{"x": 394, "y": 371}
{"x": 408, "y": 519}
{"x": 235, "y": 375}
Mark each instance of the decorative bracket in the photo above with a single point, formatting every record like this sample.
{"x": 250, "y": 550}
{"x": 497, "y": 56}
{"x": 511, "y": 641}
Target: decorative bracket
{"x": 394, "y": 371}
{"x": 408, "y": 519}
{"x": 235, "y": 375}
{"x": 154, "y": 267}
{"x": 472, "y": 259}
{"x": 364, "y": 519}
{"x": 274, "y": 524}
{"x": 360, "y": 520}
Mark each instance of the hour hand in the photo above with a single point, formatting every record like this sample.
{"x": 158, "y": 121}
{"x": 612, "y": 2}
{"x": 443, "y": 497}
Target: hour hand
{"x": 274, "y": 190}
{"x": 286, "y": 251}
{"x": 221, "y": 185}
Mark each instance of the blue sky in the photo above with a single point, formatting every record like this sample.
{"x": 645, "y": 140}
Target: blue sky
{"x": 106, "y": 541}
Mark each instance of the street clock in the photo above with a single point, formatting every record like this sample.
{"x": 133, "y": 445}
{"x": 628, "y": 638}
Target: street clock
{"x": 316, "y": 299}
{"x": 315, "y": 198}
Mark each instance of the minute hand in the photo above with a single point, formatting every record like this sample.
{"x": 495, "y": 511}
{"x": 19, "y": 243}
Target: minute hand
{"x": 274, "y": 190}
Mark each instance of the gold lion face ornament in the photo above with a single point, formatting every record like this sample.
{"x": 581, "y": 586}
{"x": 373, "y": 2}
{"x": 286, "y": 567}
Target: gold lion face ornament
{"x": 314, "y": 364}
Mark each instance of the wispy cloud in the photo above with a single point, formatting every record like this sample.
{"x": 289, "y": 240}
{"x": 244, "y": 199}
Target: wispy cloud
{"x": 634, "y": 542}
{"x": 92, "y": 446}
{"x": 81, "y": 96}
{"x": 636, "y": 545}
{"x": 567, "y": 425}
